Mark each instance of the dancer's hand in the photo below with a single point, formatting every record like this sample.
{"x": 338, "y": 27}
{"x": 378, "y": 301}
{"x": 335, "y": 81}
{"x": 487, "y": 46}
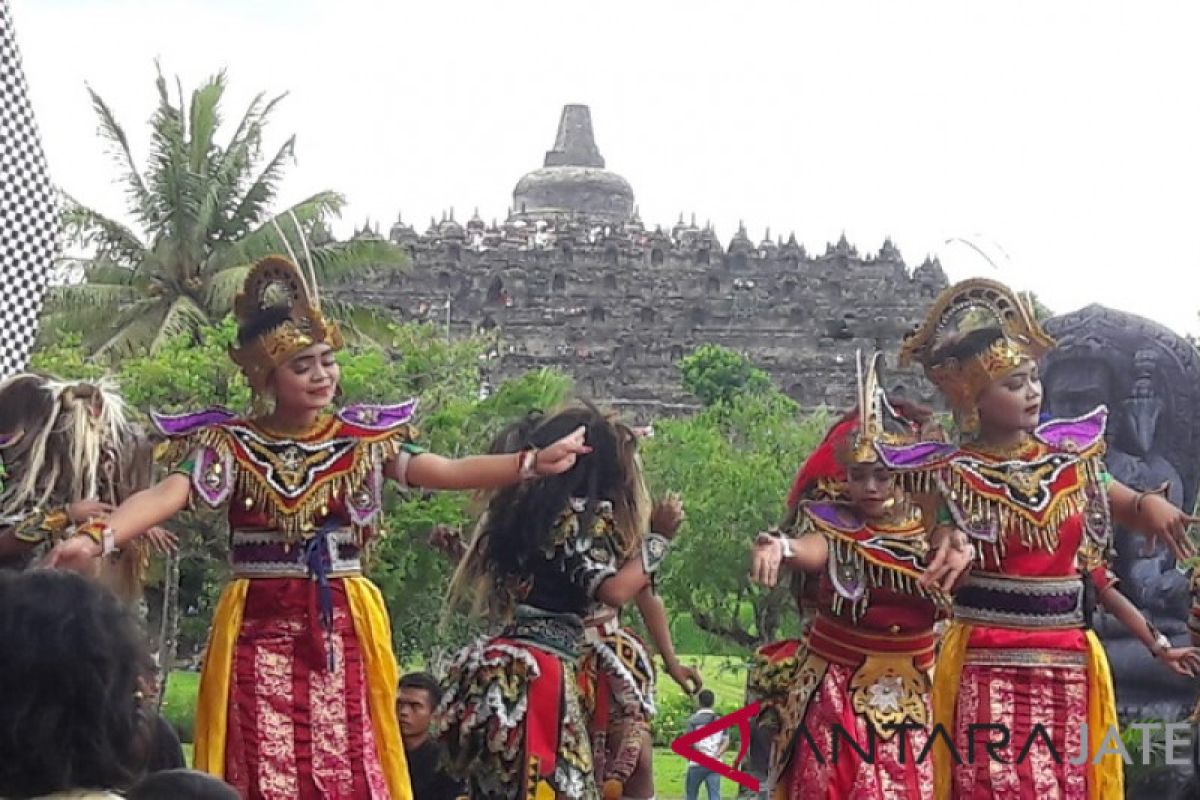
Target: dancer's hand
{"x": 162, "y": 540}
{"x": 1166, "y": 523}
{"x": 952, "y": 557}
{"x": 78, "y": 554}
{"x": 561, "y": 456}
{"x": 688, "y": 678}
{"x": 667, "y": 515}
{"x": 765, "y": 560}
{"x": 1183, "y": 661}
{"x": 82, "y": 511}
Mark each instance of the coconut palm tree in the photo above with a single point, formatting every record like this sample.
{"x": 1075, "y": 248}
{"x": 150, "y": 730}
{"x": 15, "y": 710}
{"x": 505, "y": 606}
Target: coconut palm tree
{"x": 201, "y": 214}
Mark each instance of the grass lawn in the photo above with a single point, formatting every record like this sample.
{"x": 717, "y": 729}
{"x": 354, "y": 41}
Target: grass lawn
{"x": 725, "y": 675}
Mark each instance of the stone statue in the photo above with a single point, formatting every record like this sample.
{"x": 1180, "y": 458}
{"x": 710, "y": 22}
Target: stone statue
{"x": 1150, "y": 380}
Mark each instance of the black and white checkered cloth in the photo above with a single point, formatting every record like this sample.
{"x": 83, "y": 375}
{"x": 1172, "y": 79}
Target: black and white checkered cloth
{"x": 29, "y": 222}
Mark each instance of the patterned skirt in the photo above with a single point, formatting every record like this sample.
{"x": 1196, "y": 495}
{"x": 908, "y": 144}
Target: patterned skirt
{"x": 1018, "y": 698}
{"x": 616, "y": 682}
{"x": 510, "y": 718}
{"x": 836, "y": 770}
{"x": 301, "y": 711}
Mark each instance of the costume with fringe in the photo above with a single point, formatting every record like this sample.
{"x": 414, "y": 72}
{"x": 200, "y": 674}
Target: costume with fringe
{"x": 297, "y": 692}
{"x": 511, "y": 717}
{"x": 1019, "y": 651}
{"x": 862, "y": 667}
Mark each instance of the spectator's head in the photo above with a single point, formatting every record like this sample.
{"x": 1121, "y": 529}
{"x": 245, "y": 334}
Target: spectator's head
{"x": 705, "y": 698}
{"x": 419, "y": 696}
{"x": 181, "y": 784}
{"x": 71, "y": 712}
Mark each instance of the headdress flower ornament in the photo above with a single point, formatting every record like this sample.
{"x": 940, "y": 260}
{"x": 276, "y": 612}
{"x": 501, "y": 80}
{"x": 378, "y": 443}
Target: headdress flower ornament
{"x": 971, "y": 305}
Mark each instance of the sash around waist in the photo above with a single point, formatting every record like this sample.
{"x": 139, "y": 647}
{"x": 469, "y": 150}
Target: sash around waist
{"x": 850, "y": 647}
{"x": 259, "y": 553}
{"x": 1023, "y": 603}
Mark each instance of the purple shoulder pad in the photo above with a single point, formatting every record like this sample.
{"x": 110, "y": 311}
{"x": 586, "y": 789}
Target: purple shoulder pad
{"x": 176, "y": 425}
{"x": 1075, "y": 435}
{"x": 922, "y": 455}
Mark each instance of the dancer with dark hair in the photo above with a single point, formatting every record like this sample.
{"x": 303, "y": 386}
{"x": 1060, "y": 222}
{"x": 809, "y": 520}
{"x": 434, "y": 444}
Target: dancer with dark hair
{"x": 72, "y": 717}
{"x": 1036, "y": 503}
{"x": 616, "y": 674}
{"x": 863, "y": 666}
{"x": 297, "y": 694}
{"x": 545, "y": 555}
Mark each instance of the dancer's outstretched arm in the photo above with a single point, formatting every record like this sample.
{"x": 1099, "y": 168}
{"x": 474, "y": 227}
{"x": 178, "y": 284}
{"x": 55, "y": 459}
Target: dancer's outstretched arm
{"x": 1154, "y": 515}
{"x": 431, "y": 471}
{"x": 1180, "y": 660}
{"x": 654, "y": 614}
{"x": 142, "y": 511}
{"x": 807, "y": 554}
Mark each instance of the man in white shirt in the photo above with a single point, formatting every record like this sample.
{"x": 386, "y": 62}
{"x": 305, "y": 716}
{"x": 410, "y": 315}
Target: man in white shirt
{"x": 713, "y": 746}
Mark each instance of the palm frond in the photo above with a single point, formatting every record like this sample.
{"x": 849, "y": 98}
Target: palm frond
{"x": 106, "y": 296}
{"x": 111, "y": 130}
{"x": 223, "y": 288}
{"x": 134, "y": 331}
{"x": 183, "y": 316}
{"x": 204, "y": 119}
{"x": 254, "y": 202}
{"x": 340, "y": 260}
{"x": 364, "y": 326}
{"x": 234, "y": 164}
{"x": 264, "y": 240}
{"x": 113, "y": 241}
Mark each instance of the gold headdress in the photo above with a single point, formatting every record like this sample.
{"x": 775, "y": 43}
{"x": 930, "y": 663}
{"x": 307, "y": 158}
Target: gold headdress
{"x": 874, "y": 415}
{"x": 276, "y": 282}
{"x": 971, "y": 305}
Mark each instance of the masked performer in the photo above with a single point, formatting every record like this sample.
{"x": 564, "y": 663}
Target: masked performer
{"x": 1035, "y": 501}
{"x": 863, "y": 667}
{"x": 297, "y": 695}
{"x": 546, "y": 555}
{"x": 77, "y": 455}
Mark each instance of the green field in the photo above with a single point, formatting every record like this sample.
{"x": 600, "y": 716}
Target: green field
{"x": 725, "y": 675}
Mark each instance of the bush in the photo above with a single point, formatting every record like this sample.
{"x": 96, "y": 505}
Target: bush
{"x": 179, "y": 704}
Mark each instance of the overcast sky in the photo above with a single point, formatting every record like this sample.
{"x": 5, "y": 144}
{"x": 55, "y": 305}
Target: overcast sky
{"x": 1062, "y": 137}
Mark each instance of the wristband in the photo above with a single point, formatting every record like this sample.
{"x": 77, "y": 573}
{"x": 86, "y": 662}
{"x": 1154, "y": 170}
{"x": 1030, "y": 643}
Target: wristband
{"x": 785, "y": 545}
{"x": 101, "y": 534}
{"x": 527, "y": 464}
{"x": 1161, "y": 491}
{"x": 654, "y": 550}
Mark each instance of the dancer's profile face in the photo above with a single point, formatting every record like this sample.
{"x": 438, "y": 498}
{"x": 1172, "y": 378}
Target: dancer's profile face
{"x": 870, "y": 489}
{"x": 308, "y": 381}
{"x": 1013, "y": 401}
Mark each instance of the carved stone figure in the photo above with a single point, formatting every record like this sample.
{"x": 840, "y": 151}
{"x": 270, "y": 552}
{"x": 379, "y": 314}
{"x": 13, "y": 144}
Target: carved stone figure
{"x": 1150, "y": 379}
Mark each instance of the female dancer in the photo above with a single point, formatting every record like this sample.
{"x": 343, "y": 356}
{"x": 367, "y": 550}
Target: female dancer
{"x": 547, "y": 553}
{"x": 863, "y": 666}
{"x": 1035, "y": 502}
{"x": 615, "y": 671}
{"x": 297, "y": 696}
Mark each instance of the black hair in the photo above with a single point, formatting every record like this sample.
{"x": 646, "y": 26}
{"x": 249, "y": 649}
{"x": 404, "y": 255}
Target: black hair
{"x": 71, "y": 713}
{"x": 264, "y": 321}
{"x": 968, "y": 345}
{"x": 423, "y": 680}
{"x": 706, "y": 698}
{"x": 181, "y": 784}
{"x": 520, "y": 517}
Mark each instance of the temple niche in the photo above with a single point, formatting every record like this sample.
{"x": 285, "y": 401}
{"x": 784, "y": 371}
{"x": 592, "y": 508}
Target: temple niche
{"x": 1150, "y": 380}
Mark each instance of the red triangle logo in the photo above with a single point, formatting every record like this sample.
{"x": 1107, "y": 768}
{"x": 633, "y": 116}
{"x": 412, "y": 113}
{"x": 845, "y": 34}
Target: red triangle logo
{"x": 685, "y": 745}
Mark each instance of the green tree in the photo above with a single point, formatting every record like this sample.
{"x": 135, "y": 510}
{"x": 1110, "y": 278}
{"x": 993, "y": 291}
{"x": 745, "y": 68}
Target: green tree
{"x": 733, "y": 464}
{"x": 717, "y": 374}
{"x": 201, "y": 214}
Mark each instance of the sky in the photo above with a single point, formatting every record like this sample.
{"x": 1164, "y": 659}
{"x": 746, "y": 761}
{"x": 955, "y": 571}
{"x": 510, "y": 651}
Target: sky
{"x": 1063, "y": 138}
